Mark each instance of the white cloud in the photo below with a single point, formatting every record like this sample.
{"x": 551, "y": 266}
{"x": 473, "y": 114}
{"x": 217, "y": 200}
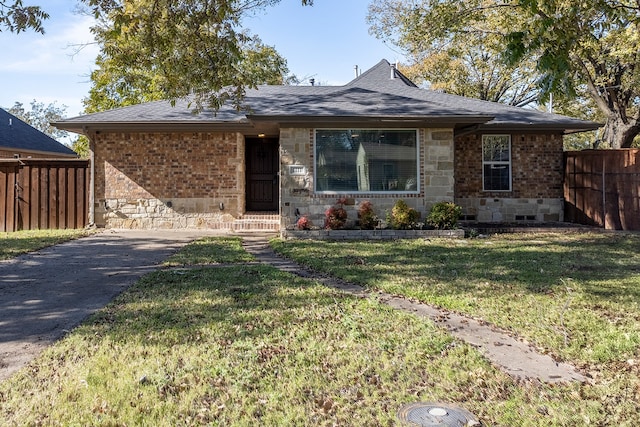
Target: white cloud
{"x": 48, "y": 68}
{"x": 59, "y": 50}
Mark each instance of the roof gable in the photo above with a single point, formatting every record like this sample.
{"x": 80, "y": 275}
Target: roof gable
{"x": 18, "y": 135}
{"x": 382, "y": 76}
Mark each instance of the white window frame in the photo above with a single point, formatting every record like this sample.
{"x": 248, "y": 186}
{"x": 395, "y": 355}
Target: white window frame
{"x": 497, "y": 163}
{"x": 315, "y": 165}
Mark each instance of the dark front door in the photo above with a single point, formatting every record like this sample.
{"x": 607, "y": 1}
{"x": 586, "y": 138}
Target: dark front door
{"x": 262, "y": 174}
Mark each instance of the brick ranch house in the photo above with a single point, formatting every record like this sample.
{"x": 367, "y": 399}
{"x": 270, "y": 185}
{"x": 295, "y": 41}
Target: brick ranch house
{"x": 297, "y": 149}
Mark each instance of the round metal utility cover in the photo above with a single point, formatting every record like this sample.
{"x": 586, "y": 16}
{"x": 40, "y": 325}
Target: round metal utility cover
{"x": 427, "y": 414}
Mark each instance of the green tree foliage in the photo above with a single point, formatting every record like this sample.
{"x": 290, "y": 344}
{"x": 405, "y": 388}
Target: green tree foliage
{"x": 16, "y": 18}
{"x": 169, "y": 49}
{"x": 40, "y": 117}
{"x": 581, "y": 106}
{"x": 81, "y": 146}
{"x": 575, "y": 45}
{"x": 115, "y": 84}
{"x": 466, "y": 62}
{"x": 592, "y": 43}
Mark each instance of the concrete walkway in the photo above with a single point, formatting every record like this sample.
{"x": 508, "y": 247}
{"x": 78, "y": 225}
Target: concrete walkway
{"x": 513, "y": 356}
{"x": 45, "y": 294}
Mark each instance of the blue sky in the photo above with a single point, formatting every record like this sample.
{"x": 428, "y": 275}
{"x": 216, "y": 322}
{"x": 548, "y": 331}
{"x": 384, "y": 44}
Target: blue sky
{"x": 324, "y": 41}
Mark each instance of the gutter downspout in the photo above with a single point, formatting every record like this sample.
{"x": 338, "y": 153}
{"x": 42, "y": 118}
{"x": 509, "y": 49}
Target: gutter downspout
{"x": 92, "y": 177}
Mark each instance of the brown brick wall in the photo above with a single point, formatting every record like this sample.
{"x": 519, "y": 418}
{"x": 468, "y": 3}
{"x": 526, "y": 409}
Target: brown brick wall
{"x": 166, "y": 165}
{"x": 536, "y": 161}
{"x": 168, "y": 179}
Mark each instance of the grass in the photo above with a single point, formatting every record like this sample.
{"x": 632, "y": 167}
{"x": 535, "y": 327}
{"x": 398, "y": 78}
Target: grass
{"x": 576, "y": 296}
{"x": 21, "y": 242}
{"x": 222, "y": 341}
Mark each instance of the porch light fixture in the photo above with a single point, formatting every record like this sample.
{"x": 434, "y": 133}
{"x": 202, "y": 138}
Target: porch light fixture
{"x": 261, "y": 135}
{"x": 221, "y": 206}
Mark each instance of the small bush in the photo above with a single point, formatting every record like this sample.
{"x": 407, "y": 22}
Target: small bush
{"x": 367, "y": 217}
{"x": 336, "y": 216}
{"x": 303, "y": 223}
{"x": 444, "y": 215}
{"x": 403, "y": 217}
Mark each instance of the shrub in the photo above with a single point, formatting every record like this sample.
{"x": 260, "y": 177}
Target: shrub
{"x": 303, "y": 223}
{"x": 444, "y": 215}
{"x": 367, "y": 217}
{"x": 336, "y": 216}
{"x": 403, "y": 217}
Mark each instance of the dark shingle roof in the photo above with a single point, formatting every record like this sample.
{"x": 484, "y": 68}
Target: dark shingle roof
{"x": 18, "y": 135}
{"x": 374, "y": 95}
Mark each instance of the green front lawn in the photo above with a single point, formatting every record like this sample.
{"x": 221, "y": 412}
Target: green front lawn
{"x": 576, "y": 296}
{"x": 247, "y": 345}
{"x": 21, "y": 242}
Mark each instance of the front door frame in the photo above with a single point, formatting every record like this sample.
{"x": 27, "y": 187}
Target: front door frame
{"x": 262, "y": 175}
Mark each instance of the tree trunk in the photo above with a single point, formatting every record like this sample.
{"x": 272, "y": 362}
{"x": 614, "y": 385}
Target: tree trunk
{"x": 619, "y": 133}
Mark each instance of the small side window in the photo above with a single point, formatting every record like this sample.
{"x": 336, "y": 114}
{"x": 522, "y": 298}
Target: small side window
{"x": 496, "y": 162}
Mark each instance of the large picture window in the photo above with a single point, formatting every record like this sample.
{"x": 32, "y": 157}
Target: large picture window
{"x": 496, "y": 162}
{"x": 366, "y": 160}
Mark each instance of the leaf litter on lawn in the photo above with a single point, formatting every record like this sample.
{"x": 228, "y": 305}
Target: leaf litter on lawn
{"x": 247, "y": 345}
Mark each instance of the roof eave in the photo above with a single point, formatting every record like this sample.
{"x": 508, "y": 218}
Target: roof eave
{"x": 480, "y": 123}
{"x": 564, "y": 128}
{"x": 152, "y": 126}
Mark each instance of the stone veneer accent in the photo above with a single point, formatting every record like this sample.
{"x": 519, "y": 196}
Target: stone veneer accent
{"x": 297, "y": 191}
{"x": 168, "y": 180}
{"x": 537, "y": 175}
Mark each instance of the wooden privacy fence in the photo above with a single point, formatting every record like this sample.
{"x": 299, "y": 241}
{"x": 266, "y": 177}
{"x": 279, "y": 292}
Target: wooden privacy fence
{"x": 43, "y": 194}
{"x": 602, "y": 188}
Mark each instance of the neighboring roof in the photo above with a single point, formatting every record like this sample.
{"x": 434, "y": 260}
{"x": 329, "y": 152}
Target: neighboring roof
{"x": 18, "y": 135}
{"x": 382, "y": 96}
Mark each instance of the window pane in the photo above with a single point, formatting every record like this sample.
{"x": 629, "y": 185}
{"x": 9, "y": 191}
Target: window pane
{"x": 496, "y": 177}
{"x": 366, "y": 160}
{"x": 496, "y": 159}
{"x": 495, "y": 148}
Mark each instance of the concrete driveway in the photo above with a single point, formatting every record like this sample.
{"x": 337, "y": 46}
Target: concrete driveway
{"x": 47, "y": 293}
